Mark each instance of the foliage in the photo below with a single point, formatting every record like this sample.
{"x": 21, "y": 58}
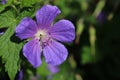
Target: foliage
{"x": 94, "y": 54}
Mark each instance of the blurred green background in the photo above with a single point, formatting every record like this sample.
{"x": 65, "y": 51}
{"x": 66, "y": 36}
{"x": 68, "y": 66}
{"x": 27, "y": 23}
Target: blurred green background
{"x": 95, "y": 52}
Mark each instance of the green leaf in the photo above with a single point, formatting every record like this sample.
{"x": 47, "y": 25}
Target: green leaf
{"x": 10, "y": 46}
{"x": 6, "y": 19}
{"x": 24, "y": 14}
{"x": 30, "y": 12}
{"x": 43, "y": 70}
{"x": 10, "y": 53}
{"x": 65, "y": 73}
{"x": 90, "y": 18}
{"x": 3, "y": 6}
{"x": 28, "y": 3}
{"x": 86, "y": 55}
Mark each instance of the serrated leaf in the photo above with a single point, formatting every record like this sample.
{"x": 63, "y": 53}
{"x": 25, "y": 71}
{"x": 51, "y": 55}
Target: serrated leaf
{"x": 28, "y": 3}
{"x": 23, "y": 15}
{"x": 10, "y": 53}
{"x": 10, "y": 48}
{"x": 6, "y": 19}
{"x": 3, "y": 6}
{"x": 31, "y": 12}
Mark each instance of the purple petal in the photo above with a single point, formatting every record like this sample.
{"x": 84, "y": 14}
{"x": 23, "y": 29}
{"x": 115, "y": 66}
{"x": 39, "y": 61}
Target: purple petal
{"x": 26, "y": 29}
{"x": 53, "y": 69}
{"x": 4, "y": 1}
{"x": 101, "y": 18}
{"x": 32, "y": 52}
{"x": 46, "y": 15}
{"x": 1, "y": 33}
{"x": 63, "y": 31}
{"x": 55, "y": 53}
{"x": 19, "y": 76}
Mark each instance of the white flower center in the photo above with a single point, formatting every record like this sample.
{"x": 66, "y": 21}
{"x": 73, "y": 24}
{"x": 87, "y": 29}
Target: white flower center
{"x": 43, "y": 37}
{"x": 41, "y": 34}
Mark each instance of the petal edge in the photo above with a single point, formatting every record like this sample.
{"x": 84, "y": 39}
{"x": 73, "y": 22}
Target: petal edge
{"x": 63, "y": 31}
{"x": 46, "y": 15}
{"x": 26, "y": 28}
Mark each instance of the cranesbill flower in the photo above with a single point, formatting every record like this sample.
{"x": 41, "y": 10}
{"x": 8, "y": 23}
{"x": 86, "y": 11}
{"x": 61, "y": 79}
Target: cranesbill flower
{"x": 4, "y": 1}
{"x": 44, "y": 37}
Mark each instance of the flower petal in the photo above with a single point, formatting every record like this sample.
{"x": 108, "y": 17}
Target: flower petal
{"x": 4, "y": 1}
{"x": 53, "y": 69}
{"x": 26, "y": 29}
{"x": 63, "y": 31}
{"x": 46, "y": 15}
{"x": 55, "y": 53}
{"x": 32, "y": 52}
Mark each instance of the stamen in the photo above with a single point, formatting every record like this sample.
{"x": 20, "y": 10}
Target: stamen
{"x": 40, "y": 37}
{"x": 43, "y": 38}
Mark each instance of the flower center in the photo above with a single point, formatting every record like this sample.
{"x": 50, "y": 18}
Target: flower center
{"x": 41, "y": 34}
{"x": 43, "y": 37}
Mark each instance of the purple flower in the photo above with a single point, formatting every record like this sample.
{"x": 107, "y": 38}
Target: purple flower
{"x": 44, "y": 36}
{"x": 101, "y": 18}
{"x": 19, "y": 75}
{"x": 3, "y": 1}
{"x": 53, "y": 69}
{"x": 1, "y": 33}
